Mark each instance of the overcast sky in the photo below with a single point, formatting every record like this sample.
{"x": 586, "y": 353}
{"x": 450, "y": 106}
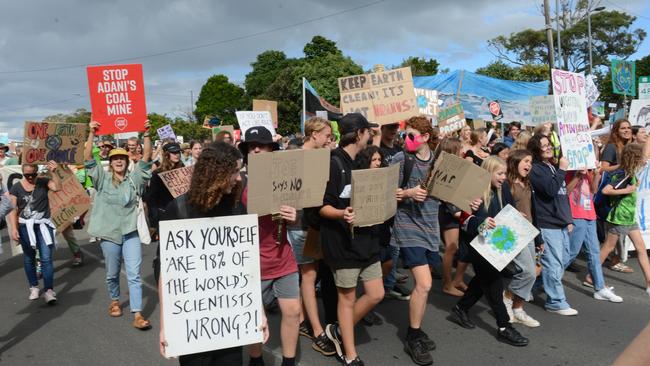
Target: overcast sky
{"x": 65, "y": 35}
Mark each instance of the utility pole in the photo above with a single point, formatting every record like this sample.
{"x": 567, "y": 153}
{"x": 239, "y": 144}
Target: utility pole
{"x": 557, "y": 21}
{"x": 191, "y": 106}
{"x": 549, "y": 37}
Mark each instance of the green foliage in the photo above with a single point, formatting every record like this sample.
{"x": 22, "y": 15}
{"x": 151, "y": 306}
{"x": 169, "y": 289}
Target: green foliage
{"x": 81, "y": 115}
{"x": 266, "y": 69}
{"x": 604, "y": 81}
{"x": 320, "y": 47}
{"x": 421, "y": 66}
{"x": 189, "y": 130}
{"x": 528, "y": 72}
{"x": 220, "y": 98}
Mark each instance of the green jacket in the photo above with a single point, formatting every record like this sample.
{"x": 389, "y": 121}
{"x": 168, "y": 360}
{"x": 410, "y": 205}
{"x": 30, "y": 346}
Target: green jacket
{"x": 115, "y": 209}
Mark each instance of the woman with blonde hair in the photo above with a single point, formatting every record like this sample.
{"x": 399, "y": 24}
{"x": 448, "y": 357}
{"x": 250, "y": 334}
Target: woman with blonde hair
{"x": 478, "y": 140}
{"x": 521, "y": 141}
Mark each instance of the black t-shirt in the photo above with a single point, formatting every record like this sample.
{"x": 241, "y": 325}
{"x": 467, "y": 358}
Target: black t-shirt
{"x": 475, "y": 158}
{"x": 610, "y": 154}
{"x": 389, "y": 152}
{"x": 33, "y": 204}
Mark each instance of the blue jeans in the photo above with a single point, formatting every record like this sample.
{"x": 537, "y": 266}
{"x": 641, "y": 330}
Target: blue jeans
{"x": 391, "y": 279}
{"x": 555, "y": 243}
{"x": 29, "y": 257}
{"x": 584, "y": 233}
{"x": 130, "y": 250}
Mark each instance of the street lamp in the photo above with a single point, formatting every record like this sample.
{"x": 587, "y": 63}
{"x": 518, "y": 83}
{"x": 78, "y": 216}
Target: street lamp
{"x": 600, "y": 8}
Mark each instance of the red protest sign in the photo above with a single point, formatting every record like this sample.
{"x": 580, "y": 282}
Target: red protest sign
{"x": 117, "y": 98}
{"x": 495, "y": 110}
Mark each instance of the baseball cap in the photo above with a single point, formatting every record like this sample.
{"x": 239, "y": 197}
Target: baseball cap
{"x": 352, "y": 122}
{"x": 117, "y": 152}
{"x": 260, "y": 135}
{"x": 172, "y": 147}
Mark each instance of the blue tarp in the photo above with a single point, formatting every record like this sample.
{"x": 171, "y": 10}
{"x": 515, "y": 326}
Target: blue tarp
{"x": 479, "y": 90}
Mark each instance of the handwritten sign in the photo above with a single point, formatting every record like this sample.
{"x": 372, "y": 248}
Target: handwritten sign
{"x": 542, "y": 110}
{"x": 61, "y": 142}
{"x": 218, "y": 129}
{"x": 427, "y": 101}
{"x": 210, "y": 283}
{"x": 573, "y": 124}
{"x": 451, "y": 119}
{"x": 69, "y": 203}
{"x": 640, "y": 112}
{"x": 166, "y": 132}
{"x": 458, "y": 181}
{"x": 267, "y": 105}
{"x": 503, "y": 243}
{"x": 117, "y": 98}
{"x": 373, "y": 195}
{"x": 178, "y": 180}
{"x": 295, "y": 178}
{"x": 382, "y": 97}
{"x": 624, "y": 77}
{"x": 591, "y": 90}
{"x": 248, "y": 119}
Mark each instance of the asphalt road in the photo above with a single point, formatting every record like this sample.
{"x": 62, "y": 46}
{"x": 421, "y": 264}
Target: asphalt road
{"x": 78, "y": 331}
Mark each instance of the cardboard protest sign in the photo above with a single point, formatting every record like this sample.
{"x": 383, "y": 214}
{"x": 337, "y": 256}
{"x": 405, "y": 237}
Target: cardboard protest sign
{"x": 640, "y": 112}
{"x": 295, "y": 178}
{"x": 70, "y": 202}
{"x": 382, "y": 97}
{"x": 458, "y": 181}
{"x": 495, "y": 110}
{"x": 644, "y": 87}
{"x": 228, "y": 128}
{"x": 61, "y": 142}
{"x": 624, "y": 77}
{"x": 373, "y": 195}
{"x": 542, "y": 110}
{"x": 591, "y": 90}
{"x": 478, "y": 123}
{"x": 166, "y": 132}
{"x": 451, "y": 119}
{"x": 178, "y": 180}
{"x": 502, "y": 244}
{"x": 573, "y": 124}
{"x": 247, "y": 119}
{"x": 210, "y": 283}
{"x": 427, "y": 101}
{"x": 267, "y": 105}
{"x": 117, "y": 98}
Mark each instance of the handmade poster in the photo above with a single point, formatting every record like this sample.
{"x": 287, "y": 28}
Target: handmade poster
{"x": 598, "y": 109}
{"x": 267, "y": 105}
{"x": 477, "y": 123}
{"x": 210, "y": 283}
{"x": 451, "y": 119}
{"x": 295, "y": 178}
{"x": 117, "y": 98}
{"x": 644, "y": 87}
{"x": 382, "y": 97}
{"x": 458, "y": 181}
{"x": 495, "y": 110}
{"x": 624, "y": 77}
{"x": 166, "y": 132}
{"x": 373, "y": 195}
{"x": 216, "y": 130}
{"x": 573, "y": 124}
{"x": 322, "y": 114}
{"x": 248, "y": 119}
{"x": 427, "y": 102}
{"x": 640, "y": 112}
{"x": 61, "y": 142}
{"x": 542, "y": 110}
{"x": 502, "y": 244}
{"x": 178, "y": 180}
{"x": 591, "y": 90}
{"x": 70, "y": 202}
{"x": 642, "y": 206}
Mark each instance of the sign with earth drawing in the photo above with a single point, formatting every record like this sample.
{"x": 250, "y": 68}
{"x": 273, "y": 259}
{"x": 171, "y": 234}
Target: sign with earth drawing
{"x": 623, "y": 77}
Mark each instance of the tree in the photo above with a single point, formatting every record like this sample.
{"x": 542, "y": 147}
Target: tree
{"x": 421, "y": 66}
{"x": 81, "y": 115}
{"x": 320, "y": 47}
{"x": 266, "y": 69}
{"x": 220, "y": 98}
{"x": 528, "y": 72}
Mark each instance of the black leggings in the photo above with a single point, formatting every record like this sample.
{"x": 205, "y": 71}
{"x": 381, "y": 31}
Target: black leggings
{"x": 227, "y": 356}
{"x": 328, "y": 293}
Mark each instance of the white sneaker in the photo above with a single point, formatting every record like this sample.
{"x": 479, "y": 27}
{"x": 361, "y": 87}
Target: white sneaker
{"x": 647, "y": 290}
{"x": 49, "y": 296}
{"x": 566, "y": 312}
{"x": 521, "y": 317}
{"x": 92, "y": 239}
{"x": 33, "y": 293}
{"x": 607, "y": 293}
{"x": 508, "y": 303}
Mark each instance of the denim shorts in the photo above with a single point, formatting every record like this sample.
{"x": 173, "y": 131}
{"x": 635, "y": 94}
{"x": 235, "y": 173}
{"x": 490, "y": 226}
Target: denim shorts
{"x": 297, "y": 240}
{"x": 418, "y": 256}
{"x": 285, "y": 287}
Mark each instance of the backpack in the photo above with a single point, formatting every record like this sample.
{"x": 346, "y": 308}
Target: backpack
{"x": 604, "y": 203}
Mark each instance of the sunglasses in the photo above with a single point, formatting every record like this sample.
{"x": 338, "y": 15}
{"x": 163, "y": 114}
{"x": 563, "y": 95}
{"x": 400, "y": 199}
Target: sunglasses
{"x": 30, "y": 175}
{"x": 411, "y": 136}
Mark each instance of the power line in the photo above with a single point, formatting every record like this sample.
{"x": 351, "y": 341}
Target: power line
{"x": 41, "y": 104}
{"x": 627, "y": 11}
{"x": 205, "y": 45}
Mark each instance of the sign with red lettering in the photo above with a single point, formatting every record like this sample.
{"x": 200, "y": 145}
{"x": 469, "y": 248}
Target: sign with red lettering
{"x": 61, "y": 142}
{"x": 117, "y": 98}
{"x": 495, "y": 110}
{"x": 69, "y": 203}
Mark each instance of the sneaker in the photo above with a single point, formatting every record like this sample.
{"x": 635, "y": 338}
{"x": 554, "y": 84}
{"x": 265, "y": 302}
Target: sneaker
{"x": 305, "y": 329}
{"x": 372, "y": 319}
{"x": 392, "y": 294}
{"x": 418, "y": 352}
{"x": 77, "y": 259}
{"x": 49, "y": 296}
{"x": 508, "y": 303}
{"x": 355, "y": 362}
{"x": 520, "y": 316}
{"x": 428, "y": 342}
{"x": 566, "y": 312}
{"x": 607, "y": 293}
{"x": 34, "y": 293}
{"x": 512, "y": 337}
{"x": 332, "y": 333}
{"x": 462, "y": 318}
{"x": 323, "y": 345}
{"x": 401, "y": 277}
{"x": 92, "y": 239}
{"x": 647, "y": 290}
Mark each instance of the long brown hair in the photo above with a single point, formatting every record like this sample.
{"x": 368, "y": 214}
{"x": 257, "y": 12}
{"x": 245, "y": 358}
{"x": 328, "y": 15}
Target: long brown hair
{"x": 450, "y": 145}
{"x": 615, "y": 138}
{"x": 632, "y": 158}
{"x": 211, "y": 176}
{"x": 167, "y": 164}
{"x": 423, "y": 125}
{"x": 514, "y": 159}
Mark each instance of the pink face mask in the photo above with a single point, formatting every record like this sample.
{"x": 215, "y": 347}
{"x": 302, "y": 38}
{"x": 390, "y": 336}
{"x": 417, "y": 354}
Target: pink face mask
{"x": 413, "y": 142}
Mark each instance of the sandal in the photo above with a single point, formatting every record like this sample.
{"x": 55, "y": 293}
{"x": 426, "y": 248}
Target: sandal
{"x": 114, "y": 309}
{"x": 621, "y": 267}
{"x": 140, "y": 322}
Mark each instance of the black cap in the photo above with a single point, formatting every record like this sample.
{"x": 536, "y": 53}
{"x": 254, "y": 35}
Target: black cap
{"x": 260, "y": 135}
{"x": 352, "y": 122}
{"x": 172, "y": 147}
{"x": 4, "y": 147}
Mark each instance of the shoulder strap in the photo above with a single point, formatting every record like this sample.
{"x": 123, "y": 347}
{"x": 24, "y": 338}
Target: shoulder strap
{"x": 409, "y": 162}
{"x": 339, "y": 166}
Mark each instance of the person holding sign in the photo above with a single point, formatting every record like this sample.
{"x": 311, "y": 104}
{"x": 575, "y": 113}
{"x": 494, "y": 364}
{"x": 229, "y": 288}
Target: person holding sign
{"x": 350, "y": 253}
{"x": 487, "y": 281}
{"x": 279, "y": 269}
{"x": 114, "y": 220}
{"x": 32, "y": 227}
{"x": 157, "y": 195}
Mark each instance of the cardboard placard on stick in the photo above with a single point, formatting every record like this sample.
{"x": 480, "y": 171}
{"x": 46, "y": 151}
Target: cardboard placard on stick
{"x": 373, "y": 195}
{"x": 178, "y": 180}
{"x": 218, "y": 129}
{"x": 61, "y": 142}
{"x": 382, "y": 97}
{"x": 248, "y": 119}
{"x": 210, "y": 283}
{"x": 69, "y": 203}
{"x": 458, "y": 181}
{"x": 542, "y": 110}
{"x": 295, "y": 178}
{"x": 267, "y": 105}
{"x": 451, "y": 119}
{"x": 166, "y": 132}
